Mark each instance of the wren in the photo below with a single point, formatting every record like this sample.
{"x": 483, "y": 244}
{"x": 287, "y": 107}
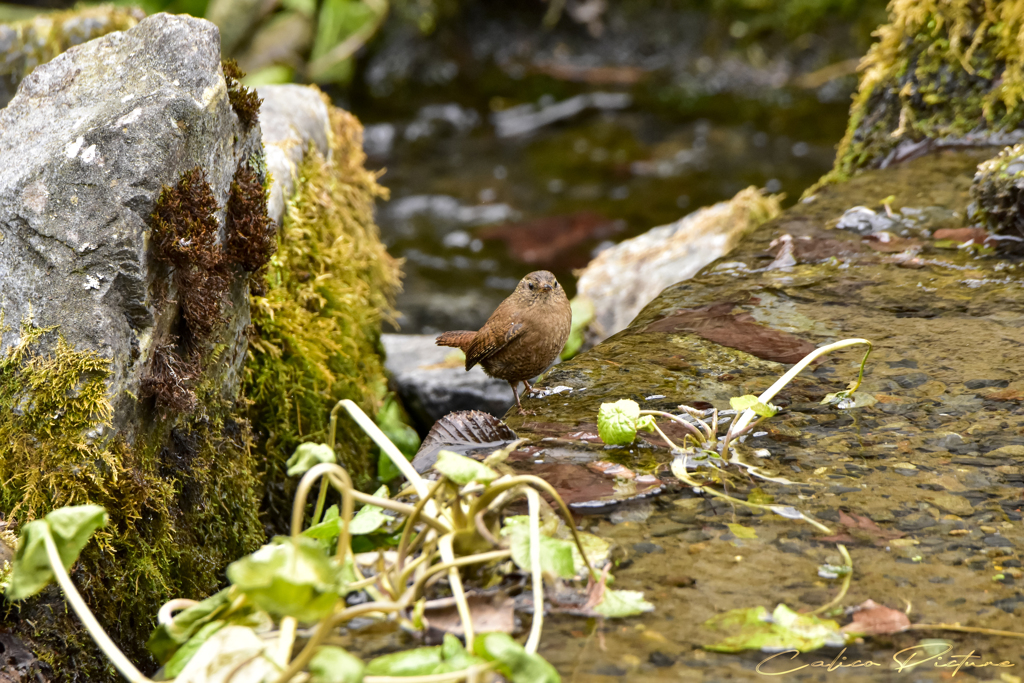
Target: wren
{"x": 522, "y": 337}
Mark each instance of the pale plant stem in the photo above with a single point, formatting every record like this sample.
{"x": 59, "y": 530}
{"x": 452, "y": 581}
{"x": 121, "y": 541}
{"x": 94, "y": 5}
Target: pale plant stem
{"x": 166, "y": 613}
{"x": 846, "y": 582}
{"x": 747, "y": 415}
{"x": 287, "y": 639}
{"x": 533, "y": 642}
{"x": 455, "y": 581}
{"x": 71, "y": 594}
{"x": 964, "y": 629}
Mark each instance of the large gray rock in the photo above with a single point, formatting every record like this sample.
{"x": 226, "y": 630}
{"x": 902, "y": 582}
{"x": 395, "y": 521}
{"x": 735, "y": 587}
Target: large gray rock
{"x": 87, "y": 144}
{"x": 626, "y": 277}
{"x": 292, "y": 117}
{"x": 431, "y": 387}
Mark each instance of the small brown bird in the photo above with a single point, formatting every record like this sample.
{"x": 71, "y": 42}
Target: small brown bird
{"x": 523, "y": 336}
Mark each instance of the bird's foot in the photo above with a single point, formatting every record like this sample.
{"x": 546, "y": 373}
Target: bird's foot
{"x": 522, "y": 411}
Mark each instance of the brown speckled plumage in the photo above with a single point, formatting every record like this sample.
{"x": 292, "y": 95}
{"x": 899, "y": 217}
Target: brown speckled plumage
{"x": 523, "y": 336}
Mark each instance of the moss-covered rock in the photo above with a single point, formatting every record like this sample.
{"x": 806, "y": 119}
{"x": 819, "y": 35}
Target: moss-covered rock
{"x": 998, "y": 189}
{"x": 948, "y": 71}
{"x": 317, "y": 328}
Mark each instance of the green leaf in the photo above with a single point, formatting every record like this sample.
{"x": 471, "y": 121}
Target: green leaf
{"x": 622, "y": 604}
{"x": 462, "y": 470}
{"x": 514, "y": 662}
{"x": 391, "y": 421}
{"x": 583, "y": 313}
{"x": 616, "y": 422}
{"x": 749, "y": 401}
{"x": 338, "y": 20}
{"x": 556, "y": 555}
{"x": 454, "y": 656}
{"x": 234, "y": 652}
{"x": 182, "y": 656}
{"x": 369, "y": 518}
{"x": 329, "y": 528}
{"x": 289, "y": 578}
{"x": 783, "y": 630}
{"x": 740, "y": 531}
{"x": 740, "y": 403}
{"x": 167, "y": 638}
{"x": 308, "y": 455}
{"x": 71, "y": 528}
{"x": 334, "y": 665}
{"x": 646, "y": 423}
{"x": 418, "y": 662}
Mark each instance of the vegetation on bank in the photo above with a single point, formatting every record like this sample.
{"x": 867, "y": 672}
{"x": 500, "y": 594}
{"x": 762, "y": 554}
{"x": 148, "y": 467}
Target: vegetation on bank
{"x": 938, "y": 70}
{"x": 317, "y": 327}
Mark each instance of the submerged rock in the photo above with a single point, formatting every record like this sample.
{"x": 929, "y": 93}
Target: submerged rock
{"x": 624, "y": 278}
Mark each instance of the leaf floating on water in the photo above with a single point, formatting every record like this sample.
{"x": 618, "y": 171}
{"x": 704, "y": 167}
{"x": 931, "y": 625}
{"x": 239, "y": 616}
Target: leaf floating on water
{"x": 740, "y": 531}
{"x": 462, "y": 432}
{"x": 872, "y": 619}
{"x": 617, "y": 604}
{"x": 784, "y": 629}
{"x": 716, "y": 322}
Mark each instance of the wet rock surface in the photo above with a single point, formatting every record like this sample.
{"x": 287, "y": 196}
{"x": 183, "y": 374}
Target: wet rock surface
{"x": 922, "y": 483}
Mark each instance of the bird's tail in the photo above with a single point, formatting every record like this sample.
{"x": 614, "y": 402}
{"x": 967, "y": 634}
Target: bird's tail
{"x": 460, "y": 339}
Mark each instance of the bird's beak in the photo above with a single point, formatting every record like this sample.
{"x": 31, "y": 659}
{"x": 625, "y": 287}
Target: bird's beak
{"x": 546, "y": 287}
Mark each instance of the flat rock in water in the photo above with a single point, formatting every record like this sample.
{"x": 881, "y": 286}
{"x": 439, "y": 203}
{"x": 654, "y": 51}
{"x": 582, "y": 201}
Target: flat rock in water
{"x": 431, "y": 384}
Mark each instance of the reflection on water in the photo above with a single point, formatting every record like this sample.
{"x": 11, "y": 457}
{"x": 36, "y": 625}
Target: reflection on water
{"x": 479, "y": 200}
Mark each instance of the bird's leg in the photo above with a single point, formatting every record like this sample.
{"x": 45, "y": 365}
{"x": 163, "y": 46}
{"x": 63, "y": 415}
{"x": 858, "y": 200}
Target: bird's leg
{"x": 515, "y": 392}
{"x": 529, "y": 389}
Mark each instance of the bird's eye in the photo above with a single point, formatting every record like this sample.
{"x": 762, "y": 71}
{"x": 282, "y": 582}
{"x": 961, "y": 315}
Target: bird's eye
{"x": 530, "y": 285}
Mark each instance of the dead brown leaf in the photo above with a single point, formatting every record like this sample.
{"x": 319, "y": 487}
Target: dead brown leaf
{"x": 872, "y": 619}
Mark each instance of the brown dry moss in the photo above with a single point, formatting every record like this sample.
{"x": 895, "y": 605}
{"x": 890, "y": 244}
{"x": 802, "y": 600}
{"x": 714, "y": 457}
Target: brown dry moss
{"x": 318, "y": 328}
{"x": 940, "y": 68}
{"x": 244, "y": 101}
{"x": 179, "y": 512}
{"x": 185, "y": 236}
{"x": 252, "y": 235}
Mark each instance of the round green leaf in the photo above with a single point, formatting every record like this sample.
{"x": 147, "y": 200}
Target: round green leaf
{"x": 462, "y": 470}
{"x": 617, "y": 422}
{"x": 307, "y": 455}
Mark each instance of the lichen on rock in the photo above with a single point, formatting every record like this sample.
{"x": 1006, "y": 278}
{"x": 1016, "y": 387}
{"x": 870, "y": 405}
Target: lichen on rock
{"x": 317, "y": 328}
{"x": 949, "y": 71}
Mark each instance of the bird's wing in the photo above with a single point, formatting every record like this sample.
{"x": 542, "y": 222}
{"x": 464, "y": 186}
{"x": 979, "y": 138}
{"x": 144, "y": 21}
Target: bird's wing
{"x": 485, "y": 345}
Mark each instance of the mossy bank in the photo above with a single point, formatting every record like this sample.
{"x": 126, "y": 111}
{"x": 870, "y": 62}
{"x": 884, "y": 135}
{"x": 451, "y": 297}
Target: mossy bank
{"x": 132, "y": 374}
{"x": 940, "y": 73}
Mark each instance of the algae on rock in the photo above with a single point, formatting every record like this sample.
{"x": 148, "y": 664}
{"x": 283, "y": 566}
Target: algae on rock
{"x": 941, "y": 70}
{"x": 329, "y": 286}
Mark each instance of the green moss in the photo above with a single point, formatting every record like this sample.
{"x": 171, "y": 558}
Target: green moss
{"x": 318, "y": 326}
{"x": 244, "y": 101}
{"x": 182, "y": 500}
{"x": 939, "y": 69}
